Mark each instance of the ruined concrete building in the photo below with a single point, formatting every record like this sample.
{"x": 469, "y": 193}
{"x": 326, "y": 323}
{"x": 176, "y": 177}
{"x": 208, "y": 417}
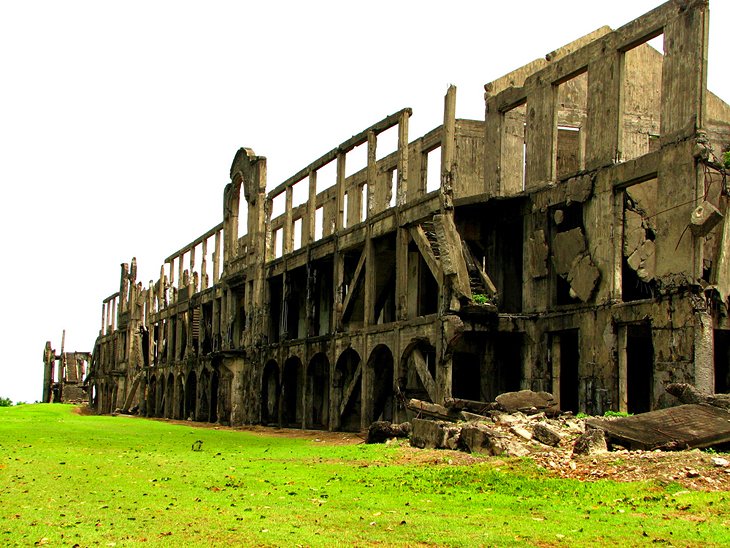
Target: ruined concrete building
{"x": 63, "y": 374}
{"x": 573, "y": 241}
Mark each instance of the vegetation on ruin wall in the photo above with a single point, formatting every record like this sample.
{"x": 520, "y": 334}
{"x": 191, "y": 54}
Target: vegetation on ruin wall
{"x": 69, "y": 479}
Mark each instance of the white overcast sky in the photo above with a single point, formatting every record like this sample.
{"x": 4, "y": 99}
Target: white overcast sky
{"x": 119, "y": 121}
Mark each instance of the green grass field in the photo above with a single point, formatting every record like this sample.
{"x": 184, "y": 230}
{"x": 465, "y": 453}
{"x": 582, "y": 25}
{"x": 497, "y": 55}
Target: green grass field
{"x": 68, "y": 479}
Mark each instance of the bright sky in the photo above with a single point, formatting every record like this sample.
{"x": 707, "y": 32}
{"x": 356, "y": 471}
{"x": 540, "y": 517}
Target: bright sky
{"x": 119, "y": 121}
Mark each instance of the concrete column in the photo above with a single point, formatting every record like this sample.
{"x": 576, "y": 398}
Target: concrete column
{"x": 217, "y": 257}
{"x": 623, "y": 369}
{"x": 402, "y": 183}
{"x": 340, "y": 193}
{"x": 541, "y": 136}
{"x": 288, "y": 240}
{"x": 312, "y": 208}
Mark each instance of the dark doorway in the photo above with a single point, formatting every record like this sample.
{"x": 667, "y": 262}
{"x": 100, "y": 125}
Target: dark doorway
{"x": 270, "y": 394}
{"x": 466, "y": 378}
{"x": 318, "y": 379}
{"x": 722, "y": 361}
{"x": 381, "y": 365}
{"x": 639, "y": 368}
{"x": 214, "y": 383}
{"x": 191, "y": 387}
{"x": 347, "y": 393}
{"x": 569, "y": 376}
{"x": 292, "y": 393}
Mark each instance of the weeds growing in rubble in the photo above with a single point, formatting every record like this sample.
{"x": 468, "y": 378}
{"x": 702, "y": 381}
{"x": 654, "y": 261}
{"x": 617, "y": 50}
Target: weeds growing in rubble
{"x": 69, "y": 479}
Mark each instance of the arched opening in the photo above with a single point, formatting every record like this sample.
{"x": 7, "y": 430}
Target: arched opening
{"x": 416, "y": 374}
{"x": 161, "y": 398}
{"x": 318, "y": 390}
{"x": 380, "y": 366}
{"x": 347, "y": 392}
{"x": 180, "y": 399}
{"x": 292, "y": 392}
{"x": 169, "y": 408}
{"x": 203, "y": 412}
{"x": 270, "y": 394}
{"x": 152, "y": 396}
{"x": 214, "y": 384}
{"x": 191, "y": 387}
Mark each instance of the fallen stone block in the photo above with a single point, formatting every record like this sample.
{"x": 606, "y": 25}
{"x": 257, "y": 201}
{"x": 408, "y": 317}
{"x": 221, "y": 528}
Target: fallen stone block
{"x": 521, "y": 432}
{"x": 479, "y": 438}
{"x": 427, "y": 434}
{"x": 591, "y": 442}
{"x": 381, "y": 431}
{"x": 527, "y": 401}
{"x": 546, "y": 435}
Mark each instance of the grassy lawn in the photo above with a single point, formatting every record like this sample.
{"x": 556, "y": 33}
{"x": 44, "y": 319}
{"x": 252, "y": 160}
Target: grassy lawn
{"x": 68, "y": 479}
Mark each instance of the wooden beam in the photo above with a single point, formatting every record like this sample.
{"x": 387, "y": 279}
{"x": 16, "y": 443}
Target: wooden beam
{"x": 353, "y": 283}
{"x": 347, "y": 394}
{"x": 419, "y": 362}
{"x": 424, "y": 247}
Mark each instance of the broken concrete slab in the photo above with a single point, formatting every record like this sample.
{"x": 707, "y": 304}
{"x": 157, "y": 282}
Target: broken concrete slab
{"x": 381, "y": 431}
{"x": 592, "y": 441}
{"x": 686, "y": 393}
{"x": 546, "y": 435}
{"x": 427, "y": 434}
{"x": 704, "y": 218}
{"x": 583, "y": 277}
{"x": 684, "y": 427}
{"x": 527, "y": 401}
{"x": 479, "y": 438}
{"x": 566, "y": 247}
{"x": 434, "y": 410}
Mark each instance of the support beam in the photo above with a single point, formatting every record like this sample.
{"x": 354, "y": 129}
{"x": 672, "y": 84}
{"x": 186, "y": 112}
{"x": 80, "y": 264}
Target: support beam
{"x": 347, "y": 394}
{"x": 353, "y": 283}
{"x": 419, "y": 362}
{"x": 424, "y": 247}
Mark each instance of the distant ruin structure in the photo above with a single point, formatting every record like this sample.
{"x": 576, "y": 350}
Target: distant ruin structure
{"x": 574, "y": 241}
{"x": 64, "y": 374}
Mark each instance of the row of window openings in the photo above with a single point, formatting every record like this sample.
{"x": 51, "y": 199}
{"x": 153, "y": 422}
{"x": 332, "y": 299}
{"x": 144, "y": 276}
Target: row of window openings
{"x": 639, "y": 127}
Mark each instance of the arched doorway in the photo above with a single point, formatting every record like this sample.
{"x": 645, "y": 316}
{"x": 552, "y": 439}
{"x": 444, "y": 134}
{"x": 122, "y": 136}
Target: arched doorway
{"x": 292, "y": 392}
{"x": 191, "y": 387}
{"x": 417, "y": 372}
{"x": 347, "y": 392}
{"x": 318, "y": 391}
{"x": 214, "y": 384}
{"x": 152, "y": 397}
{"x": 170, "y": 406}
{"x": 416, "y": 376}
{"x": 380, "y": 366}
{"x": 203, "y": 411}
{"x": 270, "y": 394}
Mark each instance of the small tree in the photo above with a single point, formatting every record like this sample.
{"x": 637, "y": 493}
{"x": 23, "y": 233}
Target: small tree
{"x": 5, "y": 402}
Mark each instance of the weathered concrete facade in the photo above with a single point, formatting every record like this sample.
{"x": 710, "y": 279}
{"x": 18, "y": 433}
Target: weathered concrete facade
{"x": 573, "y": 241}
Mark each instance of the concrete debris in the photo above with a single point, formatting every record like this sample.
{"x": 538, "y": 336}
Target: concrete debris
{"x": 427, "y": 434}
{"x": 545, "y": 434}
{"x": 686, "y": 426}
{"x": 686, "y": 393}
{"x": 382, "y": 431}
{"x": 704, "y": 218}
{"x": 590, "y": 442}
{"x": 527, "y": 401}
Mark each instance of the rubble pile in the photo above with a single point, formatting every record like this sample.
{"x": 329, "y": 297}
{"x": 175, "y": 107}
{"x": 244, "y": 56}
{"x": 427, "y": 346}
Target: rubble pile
{"x": 572, "y": 447}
